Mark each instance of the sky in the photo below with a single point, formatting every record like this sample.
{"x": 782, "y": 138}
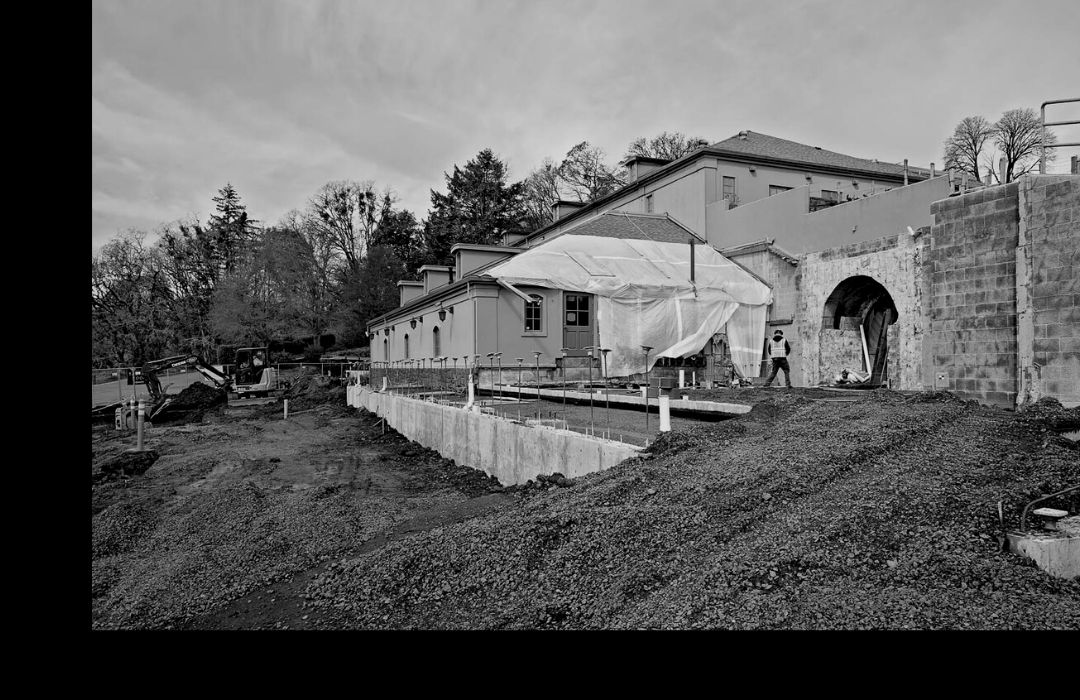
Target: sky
{"x": 279, "y": 97}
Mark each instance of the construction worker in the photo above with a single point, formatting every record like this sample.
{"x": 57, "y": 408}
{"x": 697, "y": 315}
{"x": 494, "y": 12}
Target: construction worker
{"x": 778, "y": 350}
{"x": 257, "y": 366}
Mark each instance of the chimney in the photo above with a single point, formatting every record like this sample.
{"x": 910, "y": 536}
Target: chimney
{"x": 905, "y": 173}
{"x": 639, "y": 166}
{"x": 563, "y": 208}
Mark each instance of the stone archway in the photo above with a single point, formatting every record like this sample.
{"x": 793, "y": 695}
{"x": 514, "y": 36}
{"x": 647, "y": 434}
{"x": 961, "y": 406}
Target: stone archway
{"x": 858, "y": 308}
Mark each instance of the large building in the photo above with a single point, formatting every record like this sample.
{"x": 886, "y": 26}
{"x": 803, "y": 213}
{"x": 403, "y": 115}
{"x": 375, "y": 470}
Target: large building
{"x": 880, "y": 267}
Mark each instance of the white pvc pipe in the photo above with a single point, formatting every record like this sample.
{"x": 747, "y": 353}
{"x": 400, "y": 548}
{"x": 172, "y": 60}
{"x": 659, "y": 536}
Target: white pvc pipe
{"x": 665, "y": 413}
{"x": 142, "y": 418}
{"x": 682, "y": 378}
{"x": 286, "y": 401}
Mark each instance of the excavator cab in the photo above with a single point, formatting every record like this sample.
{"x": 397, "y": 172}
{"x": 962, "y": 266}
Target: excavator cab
{"x": 254, "y": 375}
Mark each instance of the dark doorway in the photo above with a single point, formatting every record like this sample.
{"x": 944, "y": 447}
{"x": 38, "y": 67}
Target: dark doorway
{"x": 863, "y": 305}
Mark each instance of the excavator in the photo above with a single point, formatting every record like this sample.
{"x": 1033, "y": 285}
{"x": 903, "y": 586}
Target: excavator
{"x": 149, "y": 372}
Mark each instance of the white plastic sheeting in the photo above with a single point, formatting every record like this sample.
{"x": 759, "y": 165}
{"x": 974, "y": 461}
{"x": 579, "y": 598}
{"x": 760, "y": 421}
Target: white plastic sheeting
{"x": 645, "y": 297}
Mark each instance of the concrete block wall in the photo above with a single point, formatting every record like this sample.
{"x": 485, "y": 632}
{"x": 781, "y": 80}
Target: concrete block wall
{"x": 1048, "y": 288}
{"x": 971, "y": 263}
{"x": 511, "y": 452}
{"x": 896, "y": 263}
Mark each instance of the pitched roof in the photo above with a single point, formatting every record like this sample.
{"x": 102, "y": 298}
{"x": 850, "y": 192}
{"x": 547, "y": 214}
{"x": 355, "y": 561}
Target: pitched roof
{"x": 755, "y": 145}
{"x": 763, "y": 145}
{"x": 649, "y": 227}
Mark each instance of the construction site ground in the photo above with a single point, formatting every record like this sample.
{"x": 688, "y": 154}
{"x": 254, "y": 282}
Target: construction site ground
{"x": 876, "y": 512}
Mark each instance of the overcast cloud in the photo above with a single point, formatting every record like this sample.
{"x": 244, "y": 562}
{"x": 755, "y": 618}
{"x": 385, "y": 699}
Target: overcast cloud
{"x": 280, "y": 97}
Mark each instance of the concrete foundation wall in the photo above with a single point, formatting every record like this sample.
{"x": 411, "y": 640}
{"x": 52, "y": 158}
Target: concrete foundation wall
{"x": 511, "y": 452}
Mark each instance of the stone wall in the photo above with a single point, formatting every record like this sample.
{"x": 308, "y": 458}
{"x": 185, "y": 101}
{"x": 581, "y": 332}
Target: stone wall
{"x": 896, "y": 263}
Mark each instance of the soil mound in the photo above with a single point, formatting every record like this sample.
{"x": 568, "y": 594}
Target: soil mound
{"x": 125, "y": 464}
{"x": 191, "y": 404}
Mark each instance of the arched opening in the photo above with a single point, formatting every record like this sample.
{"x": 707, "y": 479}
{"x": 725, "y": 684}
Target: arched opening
{"x": 436, "y": 346}
{"x": 406, "y": 346}
{"x": 862, "y": 309}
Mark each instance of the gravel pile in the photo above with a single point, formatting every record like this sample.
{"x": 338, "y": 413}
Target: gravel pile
{"x": 882, "y": 513}
{"x": 1050, "y": 411}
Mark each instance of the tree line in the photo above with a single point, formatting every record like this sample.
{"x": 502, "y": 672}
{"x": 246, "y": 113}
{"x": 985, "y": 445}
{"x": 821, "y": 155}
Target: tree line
{"x": 327, "y": 267}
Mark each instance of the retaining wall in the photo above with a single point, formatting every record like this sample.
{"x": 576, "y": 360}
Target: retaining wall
{"x": 511, "y": 452}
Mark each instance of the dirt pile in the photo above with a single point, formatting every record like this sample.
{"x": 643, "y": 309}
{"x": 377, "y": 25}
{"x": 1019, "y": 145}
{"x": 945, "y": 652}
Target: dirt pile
{"x": 879, "y": 513}
{"x": 124, "y": 464}
{"x": 192, "y": 404}
{"x": 311, "y": 389}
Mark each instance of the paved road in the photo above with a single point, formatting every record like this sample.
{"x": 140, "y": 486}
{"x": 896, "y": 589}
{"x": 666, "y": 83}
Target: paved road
{"x": 117, "y": 390}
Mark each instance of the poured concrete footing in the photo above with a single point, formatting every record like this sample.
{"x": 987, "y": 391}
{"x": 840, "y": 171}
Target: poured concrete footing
{"x": 622, "y": 400}
{"x": 511, "y": 452}
{"x": 1056, "y": 553}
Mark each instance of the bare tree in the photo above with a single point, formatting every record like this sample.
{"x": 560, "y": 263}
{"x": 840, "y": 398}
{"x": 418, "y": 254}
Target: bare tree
{"x": 543, "y": 187}
{"x": 669, "y": 146}
{"x": 1018, "y": 136}
{"x": 586, "y": 175}
{"x": 966, "y": 145}
{"x": 345, "y": 214}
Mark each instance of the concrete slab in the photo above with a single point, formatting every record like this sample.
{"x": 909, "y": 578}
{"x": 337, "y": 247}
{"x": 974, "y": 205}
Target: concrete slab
{"x": 1056, "y": 553}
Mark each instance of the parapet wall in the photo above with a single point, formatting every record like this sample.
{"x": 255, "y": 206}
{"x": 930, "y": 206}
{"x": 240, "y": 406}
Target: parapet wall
{"x": 511, "y": 452}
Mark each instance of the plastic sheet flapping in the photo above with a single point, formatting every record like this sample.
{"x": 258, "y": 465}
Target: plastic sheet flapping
{"x": 645, "y": 297}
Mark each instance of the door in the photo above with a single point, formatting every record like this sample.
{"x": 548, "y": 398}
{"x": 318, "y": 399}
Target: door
{"x": 578, "y": 318}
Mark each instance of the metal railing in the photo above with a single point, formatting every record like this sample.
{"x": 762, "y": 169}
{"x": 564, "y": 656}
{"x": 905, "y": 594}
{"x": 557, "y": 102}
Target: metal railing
{"x": 1042, "y": 133}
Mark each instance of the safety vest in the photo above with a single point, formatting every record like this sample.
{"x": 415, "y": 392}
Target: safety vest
{"x": 777, "y": 349}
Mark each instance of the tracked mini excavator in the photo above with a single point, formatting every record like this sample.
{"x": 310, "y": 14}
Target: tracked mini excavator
{"x": 150, "y": 371}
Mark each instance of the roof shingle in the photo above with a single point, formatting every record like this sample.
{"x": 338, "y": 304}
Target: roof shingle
{"x": 647, "y": 227}
{"x": 763, "y": 145}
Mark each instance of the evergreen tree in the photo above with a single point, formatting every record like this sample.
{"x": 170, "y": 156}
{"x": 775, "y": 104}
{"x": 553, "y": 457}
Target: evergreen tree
{"x": 478, "y": 207}
{"x": 231, "y": 227}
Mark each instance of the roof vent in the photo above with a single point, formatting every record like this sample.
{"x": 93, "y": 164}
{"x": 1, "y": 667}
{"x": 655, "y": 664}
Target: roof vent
{"x": 742, "y": 135}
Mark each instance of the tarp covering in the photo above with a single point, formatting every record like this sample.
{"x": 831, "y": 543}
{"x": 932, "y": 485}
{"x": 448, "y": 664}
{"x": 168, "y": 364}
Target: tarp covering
{"x": 645, "y": 297}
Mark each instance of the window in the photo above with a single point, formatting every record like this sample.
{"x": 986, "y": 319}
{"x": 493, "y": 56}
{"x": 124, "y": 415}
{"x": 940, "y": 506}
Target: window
{"x": 534, "y": 314}
{"x": 577, "y": 310}
{"x": 830, "y": 195}
{"x": 385, "y": 350}
{"x": 406, "y": 346}
{"x": 729, "y": 189}
{"x": 436, "y": 346}
{"x": 777, "y": 189}
{"x": 648, "y": 204}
